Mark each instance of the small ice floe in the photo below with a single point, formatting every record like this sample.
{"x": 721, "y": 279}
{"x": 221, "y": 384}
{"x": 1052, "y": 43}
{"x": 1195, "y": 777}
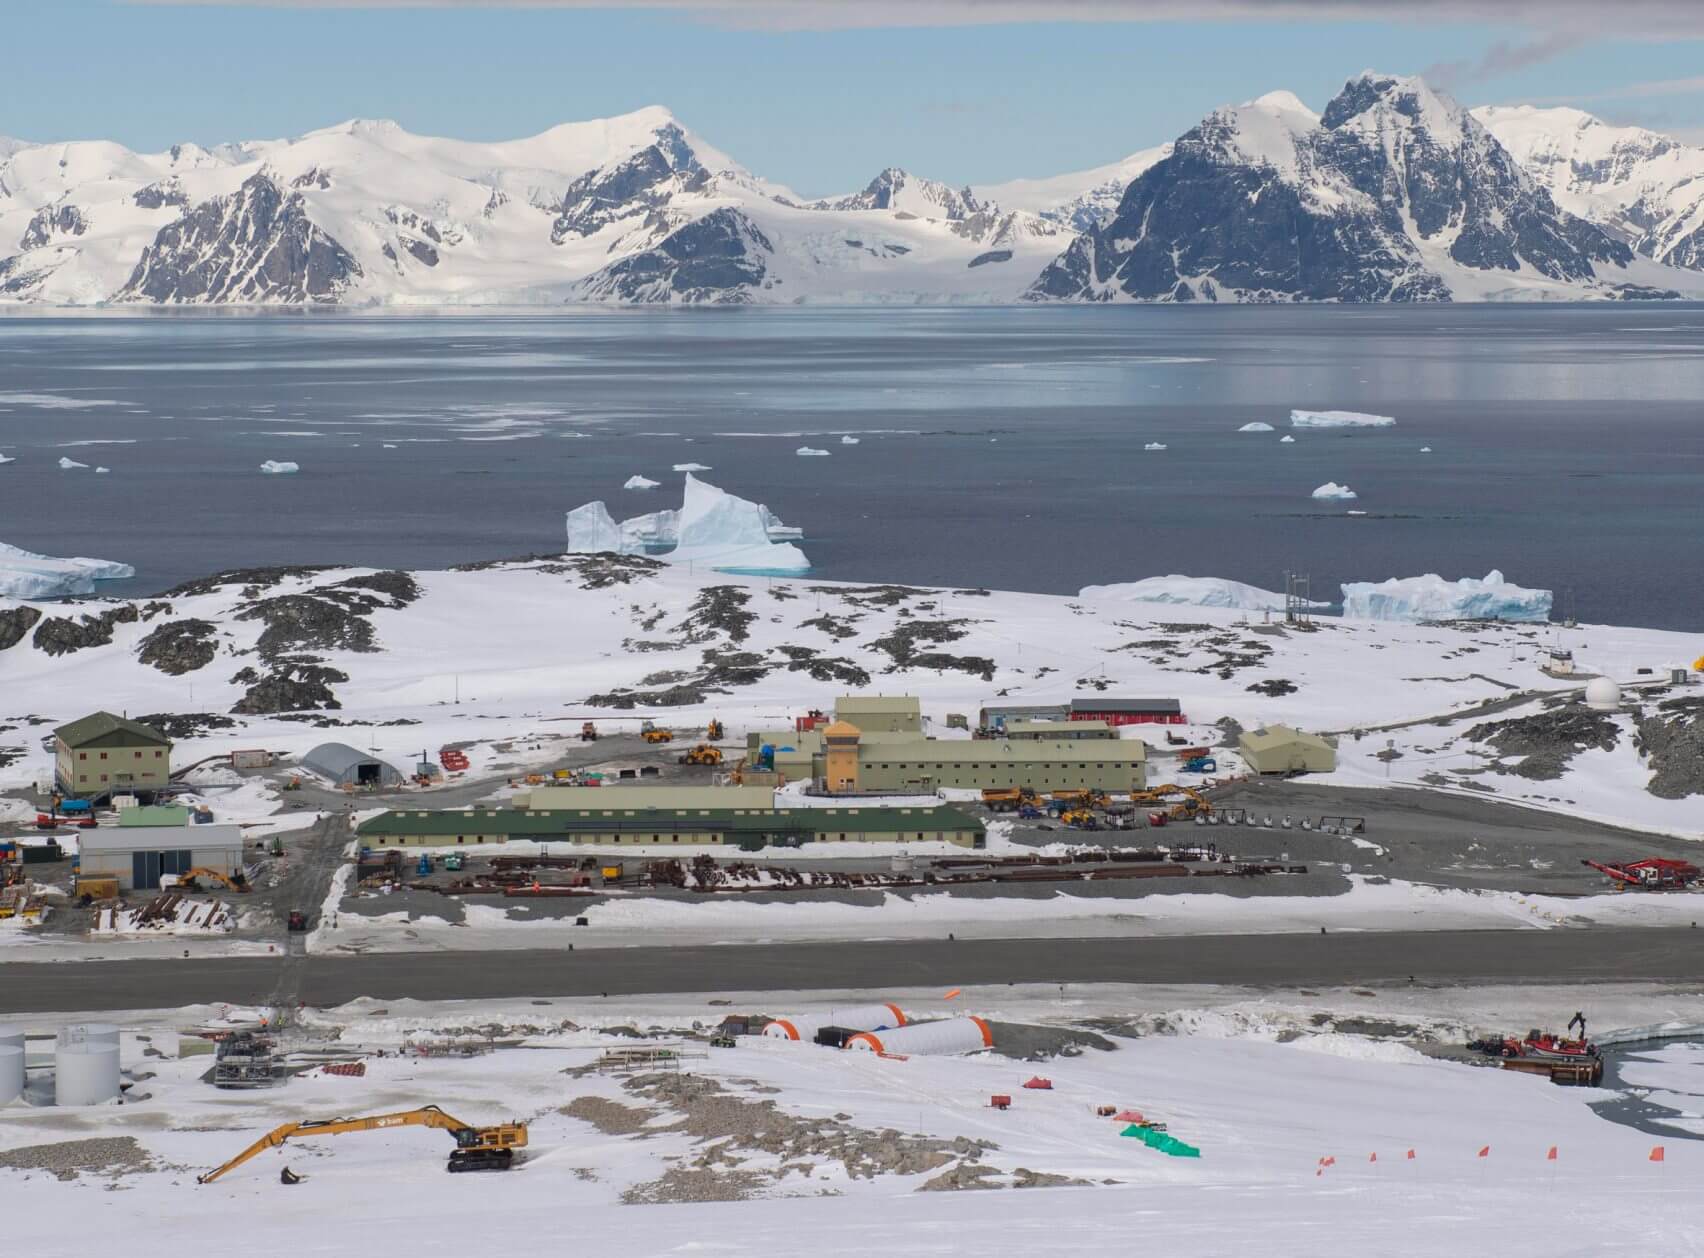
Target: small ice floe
{"x": 849, "y": 441}
{"x": 100, "y": 470}
{"x": 1255, "y": 426}
{"x": 1331, "y": 489}
{"x": 810, "y": 452}
{"x": 67, "y": 464}
{"x": 1286, "y": 440}
{"x": 639, "y": 482}
{"x": 276, "y": 467}
{"x": 691, "y": 467}
{"x": 1425, "y": 449}
{"x": 1155, "y": 445}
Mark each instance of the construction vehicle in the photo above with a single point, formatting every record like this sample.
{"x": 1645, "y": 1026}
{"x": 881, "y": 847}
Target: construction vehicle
{"x": 477, "y": 1148}
{"x": 1010, "y": 798}
{"x": 811, "y": 720}
{"x": 297, "y": 921}
{"x": 1080, "y": 799}
{"x": 714, "y": 732}
{"x": 294, "y": 784}
{"x": 651, "y": 734}
{"x": 1201, "y": 764}
{"x": 1080, "y": 819}
{"x": 423, "y": 867}
{"x": 190, "y": 880}
{"x": 1194, "y": 803}
{"x": 454, "y": 863}
{"x": 87, "y": 888}
{"x": 588, "y": 732}
{"x": 703, "y": 753}
{"x": 1653, "y": 874}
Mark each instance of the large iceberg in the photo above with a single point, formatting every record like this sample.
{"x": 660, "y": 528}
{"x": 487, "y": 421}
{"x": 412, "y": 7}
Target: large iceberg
{"x": 1338, "y": 419}
{"x": 1331, "y": 489}
{"x": 1190, "y": 592}
{"x": 713, "y": 528}
{"x": 1432, "y": 598}
{"x": 24, "y": 574}
{"x": 1255, "y": 425}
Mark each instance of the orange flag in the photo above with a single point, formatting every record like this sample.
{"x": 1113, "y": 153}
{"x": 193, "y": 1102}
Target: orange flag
{"x": 1551, "y": 1156}
{"x": 1657, "y": 1153}
{"x": 1485, "y": 1152}
{"x": 1411, "y": 1155}
{"x": 955, "y": 992}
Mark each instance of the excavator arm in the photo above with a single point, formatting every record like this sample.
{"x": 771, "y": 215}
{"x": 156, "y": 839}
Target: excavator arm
{"x": 425, "y": 1116}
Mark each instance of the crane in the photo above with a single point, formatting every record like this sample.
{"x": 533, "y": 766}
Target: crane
{"x": 477, "y": 1148}
{"x": 1655, "y": 873}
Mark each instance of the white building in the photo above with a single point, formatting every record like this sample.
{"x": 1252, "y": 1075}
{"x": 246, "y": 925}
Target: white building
{"x": 138, "y": 855}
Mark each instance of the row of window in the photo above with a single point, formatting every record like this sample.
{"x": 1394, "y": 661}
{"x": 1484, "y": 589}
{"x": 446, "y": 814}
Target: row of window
{"x": 843, "y": 837}
{"x": 83, "y": 755}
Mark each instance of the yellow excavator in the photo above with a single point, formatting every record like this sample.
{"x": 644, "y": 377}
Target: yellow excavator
{"x": 1194, "y": 802}
{"x": 477, "y": 1148}
{"x": 714, "y": 732}
{"x": 190, "y": 879}
{"x": 704, "y": 753}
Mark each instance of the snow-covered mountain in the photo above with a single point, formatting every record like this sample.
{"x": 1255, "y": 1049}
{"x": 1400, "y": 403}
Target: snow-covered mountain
{"x": 1394, "y": 193}
{"x": 1645, "y": 187}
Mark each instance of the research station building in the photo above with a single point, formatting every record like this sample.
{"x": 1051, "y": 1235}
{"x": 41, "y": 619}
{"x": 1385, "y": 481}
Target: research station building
{"x": 1283, "y": 749}
{"x": 149, "y": 842}
{"x": 103, "y": 754}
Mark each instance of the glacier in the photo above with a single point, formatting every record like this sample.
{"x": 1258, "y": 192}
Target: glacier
{"x": 25, "y": 574}
{"x": 1331, "y": 489}
{"x": 1430, "y": 597}
{"x": 275, "y": 467}
{"x": 712, "y": 527}
{"x": 1338, "y": 419}
{"x": 1185, "y": 591}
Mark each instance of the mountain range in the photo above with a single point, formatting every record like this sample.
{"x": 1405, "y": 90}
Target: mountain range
{"x": 1393, "y": 193}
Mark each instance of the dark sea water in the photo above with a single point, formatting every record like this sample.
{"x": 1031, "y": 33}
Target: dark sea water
{"x": 1000, "y": 447}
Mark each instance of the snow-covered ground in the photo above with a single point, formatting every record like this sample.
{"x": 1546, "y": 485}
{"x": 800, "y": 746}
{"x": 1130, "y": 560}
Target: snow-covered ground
{"x": 1306, "y": 1135}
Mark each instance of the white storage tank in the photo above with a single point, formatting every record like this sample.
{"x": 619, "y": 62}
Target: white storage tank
{"x": 88, "y": 1033}
{"x": 926, "y": 1039}
{"x": 853, "y": 1018}
{"x": 85, "y": 1072}
{"x": 11, "y": 1073}
{"x": 1602, "y": 694}
{"x": 11, "y": 1037}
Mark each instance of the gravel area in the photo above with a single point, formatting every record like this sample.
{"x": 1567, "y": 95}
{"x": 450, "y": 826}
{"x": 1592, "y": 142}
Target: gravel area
{"x": 612, "y": 1118}
{"x": 112, "y": 1155}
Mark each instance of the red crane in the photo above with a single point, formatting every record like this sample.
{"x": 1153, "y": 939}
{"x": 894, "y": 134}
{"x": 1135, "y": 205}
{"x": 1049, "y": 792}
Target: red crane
{"x": 1655, "y": 873}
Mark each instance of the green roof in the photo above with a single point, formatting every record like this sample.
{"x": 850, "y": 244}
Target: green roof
{"x": 562, "y": 822}
{"x": 82, "y": 732}
{"x": 156, "y": 815}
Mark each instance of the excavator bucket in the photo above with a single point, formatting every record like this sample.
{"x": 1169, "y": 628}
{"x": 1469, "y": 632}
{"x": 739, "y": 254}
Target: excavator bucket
{"x": 288, "y": 1176}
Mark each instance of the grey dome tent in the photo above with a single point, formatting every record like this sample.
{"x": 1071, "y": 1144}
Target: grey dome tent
{"x": 345, "y": 766}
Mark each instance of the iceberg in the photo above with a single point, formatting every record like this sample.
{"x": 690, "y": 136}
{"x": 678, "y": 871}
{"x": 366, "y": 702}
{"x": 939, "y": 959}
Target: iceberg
{"x": 691, "y": 467}
{"x": 1338, "y": 419}
{"x": 712, "y": 527}
{"x": 1256, "y": 426}
{"x": 1432, "y": 598}
{"x": 1287, "y": 440}
{"x": 1155, "y": 445}
{"x": 808, "y": 452}
{"x": 849, "y": 441}
{"x": 66, "y": 464}
{"x": 7, "y": 459}
{"x": 99, "y": 470}
{"x": 1331, "y": 489}
{"x": 640, "y": 482}
{"x": 1185, "y": 591}
{"x": 272, "y": 467}
{"x": 1425, "y": 449}
{"x": 24, "y": 574}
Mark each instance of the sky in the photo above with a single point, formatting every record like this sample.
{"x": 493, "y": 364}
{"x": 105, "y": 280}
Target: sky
{"x": 815, "y": 94}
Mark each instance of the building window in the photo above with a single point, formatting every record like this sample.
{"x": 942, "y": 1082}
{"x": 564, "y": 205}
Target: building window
{"x": 461, "y": 838}
{"x": 103, "y": 755}
{"x": 156, "y": 755}
{"x": 103, "y": 777}
{"x": 82, "y": 755}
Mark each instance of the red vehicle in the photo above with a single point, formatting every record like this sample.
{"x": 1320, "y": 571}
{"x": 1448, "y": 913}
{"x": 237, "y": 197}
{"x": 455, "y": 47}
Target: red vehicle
{"x": 1552, "y": 1047}
{"x": 808, "y": 722}
{"x": 1654, "y": 874}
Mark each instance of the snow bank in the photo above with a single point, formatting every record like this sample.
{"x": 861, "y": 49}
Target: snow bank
{"x": 1256, "y": 426}
{"x": 24, "y": 574}
{"x": 1331, "y": 489}
{"x": 1339, "y": 419}
{"x": 712, "y": 527}
{"x": 66, "y": 464}
{"x": 640, "y": 482}
{"x": 1189, "y": 592}
{"x": 273, "y": 467}
{"x": 811, "y": 452}
{"x": 690, "y": 467}
{"x": 1430, "y": 597}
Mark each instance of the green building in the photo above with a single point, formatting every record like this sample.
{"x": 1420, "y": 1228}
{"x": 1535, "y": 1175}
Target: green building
{"x": 997, "y": 763}
{"x": 103, "y": 754}
{"x": 881, "y": 714}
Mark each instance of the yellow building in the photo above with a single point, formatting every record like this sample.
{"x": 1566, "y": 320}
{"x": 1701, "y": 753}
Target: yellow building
{"x": 840, "y": 756}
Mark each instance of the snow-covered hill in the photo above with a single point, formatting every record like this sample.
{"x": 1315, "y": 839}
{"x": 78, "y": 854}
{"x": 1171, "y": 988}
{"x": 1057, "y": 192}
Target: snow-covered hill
{"x": 1394, "y": 193}
{"x": 1645, "y": 187}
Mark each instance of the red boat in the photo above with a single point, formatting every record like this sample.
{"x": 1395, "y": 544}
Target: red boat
{"x": 1548, "y": 1046}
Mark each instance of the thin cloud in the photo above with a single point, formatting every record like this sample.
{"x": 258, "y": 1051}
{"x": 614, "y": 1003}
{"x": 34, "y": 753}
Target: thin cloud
{"x": 1504, "y": 57}
{"x": 1627, "y": 91}
{"x": 1628, "y": 19}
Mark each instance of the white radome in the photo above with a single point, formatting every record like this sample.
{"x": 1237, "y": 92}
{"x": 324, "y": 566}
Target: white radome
{"x": 1602, "y": 695}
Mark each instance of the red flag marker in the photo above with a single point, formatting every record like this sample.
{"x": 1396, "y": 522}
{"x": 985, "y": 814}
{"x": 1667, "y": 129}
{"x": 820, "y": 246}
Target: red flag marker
{"x": 1657, "y": 1153}
{"x": 1372, "y": 1157}
{"x": 1411, "y": 1155}
{"x": 1551, "y": 1156}
{"x": 1485, "y": 1152}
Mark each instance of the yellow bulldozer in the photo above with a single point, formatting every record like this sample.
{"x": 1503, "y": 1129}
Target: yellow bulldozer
{"x": 703, "y": 753}
{"x": 477, "y": 1148}
{"x": 651, "y": 734}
